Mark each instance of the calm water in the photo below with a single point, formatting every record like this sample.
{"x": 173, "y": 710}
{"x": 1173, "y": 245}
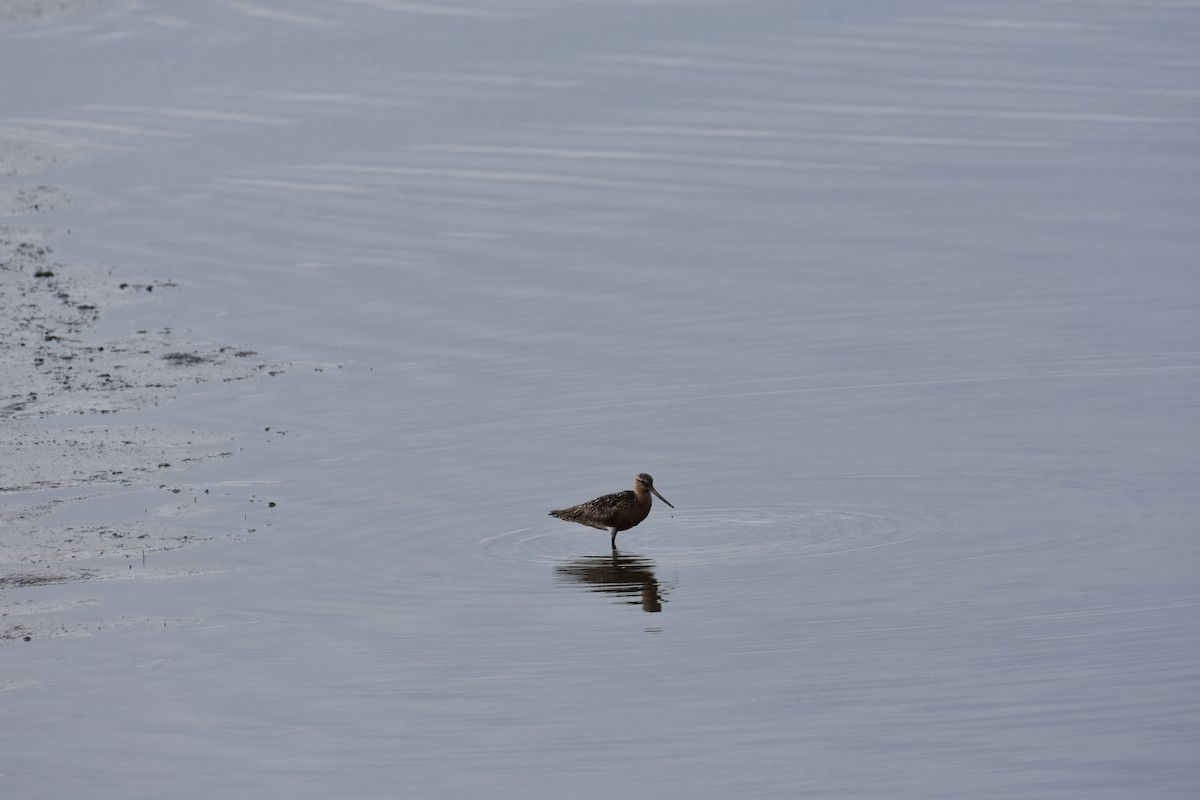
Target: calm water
{"x": 897, "y": 303}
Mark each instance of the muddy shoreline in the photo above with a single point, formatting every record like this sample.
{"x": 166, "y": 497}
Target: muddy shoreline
{"x": 64, "y": 388}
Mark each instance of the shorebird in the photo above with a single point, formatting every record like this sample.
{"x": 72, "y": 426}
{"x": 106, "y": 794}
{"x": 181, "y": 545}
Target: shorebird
{"x": 615, "y": 512}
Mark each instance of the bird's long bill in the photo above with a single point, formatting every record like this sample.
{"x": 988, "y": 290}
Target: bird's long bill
{"x": 660, "y": 497}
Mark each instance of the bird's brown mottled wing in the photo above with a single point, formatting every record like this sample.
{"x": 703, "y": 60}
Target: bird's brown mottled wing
{"x": 603, "y": 512}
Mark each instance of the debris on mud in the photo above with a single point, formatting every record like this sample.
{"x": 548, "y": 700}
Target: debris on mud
{"x": 52, "y": 361}
{"x": 57, "y": 375}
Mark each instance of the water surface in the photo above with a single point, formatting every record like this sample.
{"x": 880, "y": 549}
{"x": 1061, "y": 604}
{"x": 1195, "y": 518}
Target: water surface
{"x": 896, "y": 303}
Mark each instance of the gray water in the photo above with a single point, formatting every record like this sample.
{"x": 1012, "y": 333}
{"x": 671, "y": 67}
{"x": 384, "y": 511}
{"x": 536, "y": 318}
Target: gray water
{"x": 896, "y": 302}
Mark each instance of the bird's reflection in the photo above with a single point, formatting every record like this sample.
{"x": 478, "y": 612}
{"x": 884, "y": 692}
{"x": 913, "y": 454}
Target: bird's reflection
{"x": 620, "y": 575}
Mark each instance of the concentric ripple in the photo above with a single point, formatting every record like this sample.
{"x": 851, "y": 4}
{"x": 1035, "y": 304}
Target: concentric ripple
{"x": 729, "y": 535}
{"x": 725, "y": 535}
{"x": 902, "y": 521}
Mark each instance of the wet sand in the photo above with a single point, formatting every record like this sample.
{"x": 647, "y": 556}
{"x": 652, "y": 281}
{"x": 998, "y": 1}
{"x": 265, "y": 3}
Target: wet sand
{"x": 64, "y": 389}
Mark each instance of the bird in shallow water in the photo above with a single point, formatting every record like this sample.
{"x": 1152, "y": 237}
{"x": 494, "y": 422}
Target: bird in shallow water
{"x": 615, "y": 512}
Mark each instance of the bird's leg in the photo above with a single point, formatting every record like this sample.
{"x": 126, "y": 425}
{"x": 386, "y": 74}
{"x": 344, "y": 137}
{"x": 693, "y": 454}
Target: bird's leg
{"x": 613, "y": 531}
